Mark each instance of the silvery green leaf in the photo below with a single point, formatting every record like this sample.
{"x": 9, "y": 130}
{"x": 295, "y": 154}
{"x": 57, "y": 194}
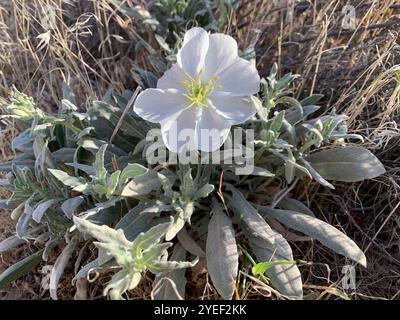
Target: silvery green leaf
{"x": 314, "y": 173}
{"x": 41, "y": 209}
{"x": 160, "y": 266}
{"x": 20, "y": 268}
{"x": 281, "y": 144}
{"x": 221, "y": 252}
{"x": 5, "y": 204}
{"x": 112, "y": 183}
{"x": 139, "y": 219}
{"x": 122, "y": 255}
{"x": 204, "y": 191}
{"x": 190, "y": 244}
{"x": 320, "y": 230}
{"x": 64, "y": 155}
{"x": 94, "y": 266}
{"x": 83, "y": 167}
{"x": 295, "y": 205}
{"x": 66, "y": 179}
{"x": 188, "y": 186}
{"x": 105, "y": 114}
{"x": 141, "y": 185}
{"x": 150, "y": 237}
{"x": 349, "y": 164}
{"x": 101, "y": 171}
{"x": 70, "y": 205}
{"x": 24, "y": 219}
{"x": 167, "y": 186}
{"x": 130, "y": 171}
{"x": 293, "y": 116}
{"x": 102, "y": 233}
{"x": 156, "y": 252}
{"x": 120, "y": 283}
{"x": 171, "y": 285}
{"x": 163, "y": 44}
{"x": 7, "y": 166}
{"x": 258, "y": 171}
{"x": 98, "y": 208}
{"x": 313, "y": 99}
{"x": 22, "y": 141}
{"x": 85, "y": 132}
{"x": 10, "y": 243}
{"x": 183, "y": 215}
{"x": 59, "y": 266}
{"x": 249, "y": 216}
{"x": 284, "y": 277}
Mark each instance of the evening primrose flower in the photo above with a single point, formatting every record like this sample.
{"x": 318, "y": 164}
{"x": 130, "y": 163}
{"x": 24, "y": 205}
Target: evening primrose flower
{"x": 207, "y": 91}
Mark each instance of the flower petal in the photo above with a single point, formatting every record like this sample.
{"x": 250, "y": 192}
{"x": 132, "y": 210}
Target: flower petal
{"x": 240, "y": 78}
{"x": 193, "y": 52}
{"x": 179, "y": 131}
{"x": 155, "y": 105}
{"x": 222, "y": 52}
{"x": 234, "y": 109}
{"x": 211, "y": 130}
{"x": 172, "y": 78}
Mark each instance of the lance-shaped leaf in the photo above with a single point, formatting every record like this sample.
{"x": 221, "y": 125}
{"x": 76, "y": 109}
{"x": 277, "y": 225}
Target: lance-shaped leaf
{"x": 121, "y": 282}
{"x": 102, "y": 233}
{"x": 320, "y": 230}
{"x": 315, "y": 174}
{"x": 142, "y": 185}
{"x": 59, "y": 266}
{"x": 101, "y": 171}
{"x": 171, "y": 285}
{"x": 70, "y": 205}
{"x": 183, "y": 214}
{"x": 10, "y": 243}
{"x": 19, "y": 269}
{"x": 221, "y": 252}
{"x": 190, "y": 244}
{"x": 130, "y": 171}
{"x": 295, "y": 205}
{"x": 41, "y": 209}
{"x": 252, "y": 220}
{"x": 66, "y": 179}
{"x": 348, "y": 164}
{"x": 285, "y": 277}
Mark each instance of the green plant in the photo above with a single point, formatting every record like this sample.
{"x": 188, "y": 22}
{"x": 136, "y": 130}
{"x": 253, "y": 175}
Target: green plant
{"x": 81, "y": 177}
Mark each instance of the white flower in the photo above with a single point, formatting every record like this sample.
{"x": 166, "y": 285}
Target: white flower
{"x": 207, "y": 91}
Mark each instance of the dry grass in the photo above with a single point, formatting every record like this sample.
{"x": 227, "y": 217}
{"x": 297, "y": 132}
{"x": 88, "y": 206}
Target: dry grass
{"x": 357, "y": 70}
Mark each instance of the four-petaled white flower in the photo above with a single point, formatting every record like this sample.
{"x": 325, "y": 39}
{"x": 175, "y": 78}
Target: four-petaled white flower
{"x": 207, "y": 91}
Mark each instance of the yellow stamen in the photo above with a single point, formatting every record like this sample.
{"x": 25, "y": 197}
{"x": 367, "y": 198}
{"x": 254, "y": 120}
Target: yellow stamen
{"x": 197, "y": 91}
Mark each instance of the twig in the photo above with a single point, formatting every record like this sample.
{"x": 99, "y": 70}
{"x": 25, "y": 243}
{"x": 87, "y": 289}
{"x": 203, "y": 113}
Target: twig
{"x": 128, "y": 105}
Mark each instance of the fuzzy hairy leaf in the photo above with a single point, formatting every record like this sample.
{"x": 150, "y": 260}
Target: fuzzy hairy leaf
{"x": 141, "y": 185}
{"x": 171, "y": 285}
{"x": 20, "y": 268}
{"x": 66, "y": 179}
{"x": 251, "y": 219}
{"x": 60, "y": 265}
{"x": 41, "y": 209}
{"x": 190, "y": 244}
{"x": 286, "y": 276}
{"x": 70, "y": 205}
{"x": 350, "y": 164}
{"x": 221, "y": 252}
{"x": 320, "y": 230}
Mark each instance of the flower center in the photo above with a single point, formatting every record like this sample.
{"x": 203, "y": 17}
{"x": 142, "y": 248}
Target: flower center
{"x": 197, "y": 91}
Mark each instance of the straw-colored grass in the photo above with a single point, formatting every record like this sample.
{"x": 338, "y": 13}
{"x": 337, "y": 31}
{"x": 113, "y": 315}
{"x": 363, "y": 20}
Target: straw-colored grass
{"x": 91, "y": 45}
